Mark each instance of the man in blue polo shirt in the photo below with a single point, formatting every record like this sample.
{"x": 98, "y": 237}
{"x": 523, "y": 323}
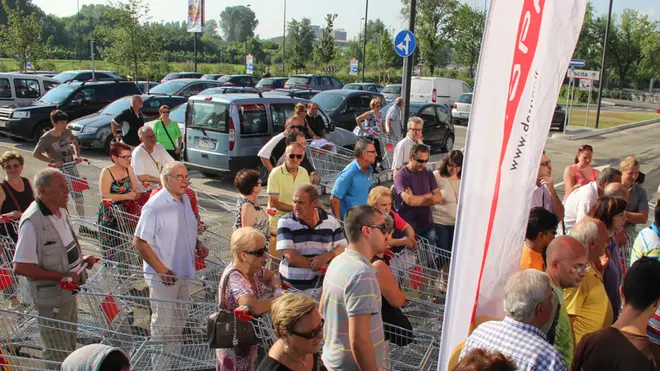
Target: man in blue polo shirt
{"x": 354, "y": 182}
{"x": 308, "y": 238}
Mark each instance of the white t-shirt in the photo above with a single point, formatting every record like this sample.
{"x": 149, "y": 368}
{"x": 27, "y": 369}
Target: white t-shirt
{"x": 578, "y": 204}
{"x": 145, "y": 163}
{"x": 402, "y": 152}
{"x": 394, "y": 114}
{"x": 542, "y": 198}
{"x": 26, "y": 248}
{"x": 267, "y": 150}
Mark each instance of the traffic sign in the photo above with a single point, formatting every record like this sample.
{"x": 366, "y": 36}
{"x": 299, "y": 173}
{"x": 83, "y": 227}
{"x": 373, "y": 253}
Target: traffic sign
{"x": 354, "y": 67}
{"x": 585, "y": 85}
{"x": 405, "y": 43}
{"x": 249, "y": 64}
{"x": 584, "y": 74}
{"x": 330, "y": 69}
{"x": 577, "y": 63}
{"x": 418, "y": 70}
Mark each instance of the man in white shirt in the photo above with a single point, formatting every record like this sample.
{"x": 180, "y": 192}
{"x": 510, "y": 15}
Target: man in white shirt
{"x": 393, "y": 119}
{"x": 149, "y": 158}
{"x": 274, "y": 149}
{"x": 402, "y": 149}
{"x": 544, "y": 194}
{"x": 166, "y": 238}
{"x": 580, "y": 201}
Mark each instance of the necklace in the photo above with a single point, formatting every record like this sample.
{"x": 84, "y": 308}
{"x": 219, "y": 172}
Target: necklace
{"x": 285, "y": 349}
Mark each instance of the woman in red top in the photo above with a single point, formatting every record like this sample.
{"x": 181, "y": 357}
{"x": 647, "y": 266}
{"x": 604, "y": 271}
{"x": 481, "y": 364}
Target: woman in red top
{"x": 581, "y": 173}
{"x": 381, "y": 198}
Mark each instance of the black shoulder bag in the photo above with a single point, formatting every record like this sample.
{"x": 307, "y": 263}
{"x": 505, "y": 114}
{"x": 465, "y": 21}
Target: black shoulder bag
{"x": 224, "y": 330}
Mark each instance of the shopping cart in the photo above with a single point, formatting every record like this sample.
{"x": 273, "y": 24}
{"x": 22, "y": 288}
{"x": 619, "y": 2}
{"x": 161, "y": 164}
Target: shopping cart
{"x": 328, "y": 164}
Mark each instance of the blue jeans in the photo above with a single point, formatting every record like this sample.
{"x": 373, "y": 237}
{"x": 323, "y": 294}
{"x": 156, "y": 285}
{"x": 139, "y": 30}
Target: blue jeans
{"x": 445, "y": 242}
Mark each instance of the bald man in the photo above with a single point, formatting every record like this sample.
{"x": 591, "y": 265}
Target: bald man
{"x": 566, "y": 264}
{"x": 617, "y": 190}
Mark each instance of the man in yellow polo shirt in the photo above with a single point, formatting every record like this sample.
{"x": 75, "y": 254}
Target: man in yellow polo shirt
{"x": 283, "y": 180}
{"x": 588, "y": 306}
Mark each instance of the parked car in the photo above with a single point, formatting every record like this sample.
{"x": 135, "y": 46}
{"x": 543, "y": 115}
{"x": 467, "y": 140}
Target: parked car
{"x": 364, "y": 86}
{"x": 87, "y": 75}
{"x": 239, "y": 80}
{"x": 184, "y": 87}
{"x": 270, "y": 83}
{"x": 437, "y": 90}
{"x": 16, "y": 88}
{"x": 182, "y": 75}
{"x": 224, "y": 133}
{"x": 293, "y": 93}
{"x": 460, "y": 112}
{"x": 211, "y": 76}
{"x": 317, "y": 82}
{"x": 94, "y": 131}
{"x": 344, "y": 106}
{"x": 146, "y": 86}
{"x": 40, "y": 73}
{"x": 391, "y": 92}
{"x": 32, "y": 120}
{"x": 438, "y": 130}
{"x": 228, "y": 90}
{"x": 558, "y": 118}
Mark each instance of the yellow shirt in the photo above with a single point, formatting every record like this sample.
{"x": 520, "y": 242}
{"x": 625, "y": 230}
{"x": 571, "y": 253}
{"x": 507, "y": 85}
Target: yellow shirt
{"x": 531, "y": 259}
{"x": 282, "y": 183}
{"x": 590, "y": 304}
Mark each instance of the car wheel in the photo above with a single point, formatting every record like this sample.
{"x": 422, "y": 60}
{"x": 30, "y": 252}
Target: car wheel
{"x": 109, "y": 141}
{"x": 40, "y": 130}
{"x": 448, "y": 143}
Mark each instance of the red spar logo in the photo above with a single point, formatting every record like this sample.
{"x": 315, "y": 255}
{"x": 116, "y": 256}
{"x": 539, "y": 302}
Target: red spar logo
{"x": 529, "y": 27}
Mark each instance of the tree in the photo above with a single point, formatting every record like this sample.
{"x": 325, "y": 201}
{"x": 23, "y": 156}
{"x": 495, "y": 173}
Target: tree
{"x": 386, "y": 56}
{"x": 325, "y": 51}
{"x": 650, "y": 64}
{"x": 129, "y": 44}
{"x": 300, "y": 43}
{"x": 469, "y": 29}
{"x": 238, "y": 23}
{"x": 375, "y": 28}
{"x": 434, "y": 28}
{"x": 626, "y": 40}
{"x": 21, "y": 37}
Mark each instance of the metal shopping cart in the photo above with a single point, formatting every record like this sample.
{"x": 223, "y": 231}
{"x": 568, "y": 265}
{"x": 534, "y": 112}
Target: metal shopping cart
{"x": 328, "y": 164}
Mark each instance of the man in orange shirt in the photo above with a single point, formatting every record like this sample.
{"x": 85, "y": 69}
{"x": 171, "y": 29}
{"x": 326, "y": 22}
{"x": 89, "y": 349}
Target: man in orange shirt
{"x": 541, "y": 230}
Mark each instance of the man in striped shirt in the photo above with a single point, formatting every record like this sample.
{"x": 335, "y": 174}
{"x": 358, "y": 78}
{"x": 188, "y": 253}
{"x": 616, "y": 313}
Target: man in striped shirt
{"x": 308, "y": 238}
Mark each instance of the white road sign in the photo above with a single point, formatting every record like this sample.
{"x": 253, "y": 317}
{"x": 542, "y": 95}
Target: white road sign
{"x": 585, "y": 85}
{"x": 584, "y": 74}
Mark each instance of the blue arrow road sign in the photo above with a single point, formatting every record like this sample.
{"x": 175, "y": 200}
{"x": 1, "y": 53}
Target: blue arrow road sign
{"x": 405, "y": 43}
{"x": 577, "y": 63}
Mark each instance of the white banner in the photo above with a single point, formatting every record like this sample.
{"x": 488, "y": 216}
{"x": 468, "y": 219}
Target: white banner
{"x": 195, "y": 15}
{"x": 527, "y": 46}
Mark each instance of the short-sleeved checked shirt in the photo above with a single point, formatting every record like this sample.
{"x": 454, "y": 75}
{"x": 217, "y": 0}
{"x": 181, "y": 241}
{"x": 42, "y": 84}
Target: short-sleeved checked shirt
{"x": 526, "y": 345}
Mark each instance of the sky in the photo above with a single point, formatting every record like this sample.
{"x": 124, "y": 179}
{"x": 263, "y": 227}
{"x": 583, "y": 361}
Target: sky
{"x": 270, "y": 12}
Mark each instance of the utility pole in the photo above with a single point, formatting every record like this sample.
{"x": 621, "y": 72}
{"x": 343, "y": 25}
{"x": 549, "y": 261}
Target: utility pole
{"x": 602, "y": 64}
{"x": 407, "y": 68}
{"x": 364, "y": 45}
{"x": 91, "y": 45}
{"x": 284, "y": 40}
{"x": 195, "y": 51}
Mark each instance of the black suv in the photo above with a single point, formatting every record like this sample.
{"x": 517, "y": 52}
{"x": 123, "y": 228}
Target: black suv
{"x": 344, "y": 106}
{"x": 86, "y": 75}
{"x": 316, "y": 82}
{"x": 239, "y": 80}
{"x": 182, "y": 75}
{"x": 32, "y": 120}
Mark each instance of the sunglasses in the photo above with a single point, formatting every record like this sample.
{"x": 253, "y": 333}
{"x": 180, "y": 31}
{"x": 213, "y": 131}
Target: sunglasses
{"x": 419, "y": 160}
{"x": 545, "y": 163}
{"x": 292, "y": 156}
{"x": 125, "y": 157}
{"x": 258, "y": 253}
{"x": 297, "y": 127}
{"x": 165, "y": 112}
{"x": 382, "y": 227}
{"x": 585, "y": 147}
{"x": 312, "y": 334}
{"x": 15, "y": 166}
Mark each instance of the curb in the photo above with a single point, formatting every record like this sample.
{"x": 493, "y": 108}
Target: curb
{"x": 598, "y": 132}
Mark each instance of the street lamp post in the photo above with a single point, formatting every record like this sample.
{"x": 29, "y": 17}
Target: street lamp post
{"x": 364, "y": 45}
{"x": 284, "y": 39}
{"x": 602, "y": 64}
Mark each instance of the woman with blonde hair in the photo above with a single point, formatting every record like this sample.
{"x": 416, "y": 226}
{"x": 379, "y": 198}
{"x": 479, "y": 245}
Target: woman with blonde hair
{"x": 300, "y": 111}
{"x": 246, "y": 277}
{"x": 299, "y": 328}
{"x": 404, "y": 236}
{"x": 372, "y": 124}
{"x": 637, "y": 209}
{"x": 168, "y": 133}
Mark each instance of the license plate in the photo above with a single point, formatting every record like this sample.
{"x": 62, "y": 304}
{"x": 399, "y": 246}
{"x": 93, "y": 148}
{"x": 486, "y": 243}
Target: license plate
{"x": 205, "y": 144}
{"x": 3, "y": 123}
{"x": 464, "y": 114}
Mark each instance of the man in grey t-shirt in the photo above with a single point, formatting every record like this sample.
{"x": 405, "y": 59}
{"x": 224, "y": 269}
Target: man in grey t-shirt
{"x": 351, "y": 302}
{"x": 393, "y": 119}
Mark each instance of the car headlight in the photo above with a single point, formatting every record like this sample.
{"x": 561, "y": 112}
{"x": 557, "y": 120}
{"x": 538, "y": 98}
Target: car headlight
{"x": 90, "y": 129}
{"x": 21, "y": 114}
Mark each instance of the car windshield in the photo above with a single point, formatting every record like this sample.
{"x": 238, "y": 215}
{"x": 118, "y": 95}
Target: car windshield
{"x": 179, "y": 113}
{"x": 465, "y": 98}
{"x": 299, "y": 80}
{"x": 328, "y": 101}
{"x": 353, "y": 86}
{"x": 265, "y": 82}
{"x": 392, "y": 89}
{"x": 169, "y": 87}
{"x": 225, "y": 78}
{"x": 58, "y": 95}
{"x": 65, "y": 76}
{"x": 212, "y": 91}
{"x": 116, "y": 107}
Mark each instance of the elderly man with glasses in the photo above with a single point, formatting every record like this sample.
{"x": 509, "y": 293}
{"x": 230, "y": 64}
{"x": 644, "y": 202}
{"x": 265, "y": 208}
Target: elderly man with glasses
{"x": 402, "y": 148}
{"x": 417, "y": 188}
{"x": 149, "y": 158}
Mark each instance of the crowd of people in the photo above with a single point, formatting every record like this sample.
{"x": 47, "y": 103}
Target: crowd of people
{"x": 585, "y": 296}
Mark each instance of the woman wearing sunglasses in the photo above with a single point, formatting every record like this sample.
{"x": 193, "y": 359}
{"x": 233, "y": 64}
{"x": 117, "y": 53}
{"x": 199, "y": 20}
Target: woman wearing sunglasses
{"x": 168, "y": 133}
{"x": 245, "y": 287}
{"x": 300, "y": 111}
{"x": 581, "y": 173}
{"x": 299, "y": 329}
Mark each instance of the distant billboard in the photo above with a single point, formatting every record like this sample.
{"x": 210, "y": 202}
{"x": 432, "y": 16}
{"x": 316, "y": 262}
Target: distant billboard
{"x": 195, "y": 15}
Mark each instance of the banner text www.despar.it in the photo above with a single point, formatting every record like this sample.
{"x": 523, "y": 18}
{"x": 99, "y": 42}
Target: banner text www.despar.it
{"x": 520, "y": 147}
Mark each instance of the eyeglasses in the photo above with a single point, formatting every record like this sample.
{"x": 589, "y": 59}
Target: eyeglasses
{"x": 292, "y": 156}
{"x": 373, "y": 151}
{"x": 15, "y": 166}
{"x": 296, "y": 127}
{"x": 545, "y": 163}
{"x": 258, "y": 253}
{"x": 312, "y": 334}
{"x": 579, "y": 268}
{"x": 165, "y": 112}
{"x": 585, "y": 147}
{"x": 180, "y": 177}
{"x": 125, "y": 157}
{"x": 420, "y": 160}
{"x": 415, "y": 130}
{"x": 382, "y": 227}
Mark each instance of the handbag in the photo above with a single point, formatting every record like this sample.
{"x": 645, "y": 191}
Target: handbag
{"x": 224, "y": 330}
{"x": 398, "y": 329}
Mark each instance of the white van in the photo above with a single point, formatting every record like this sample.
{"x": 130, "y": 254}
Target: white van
{"x": 437, "y": 90}
{"x": 17, "y": 88}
